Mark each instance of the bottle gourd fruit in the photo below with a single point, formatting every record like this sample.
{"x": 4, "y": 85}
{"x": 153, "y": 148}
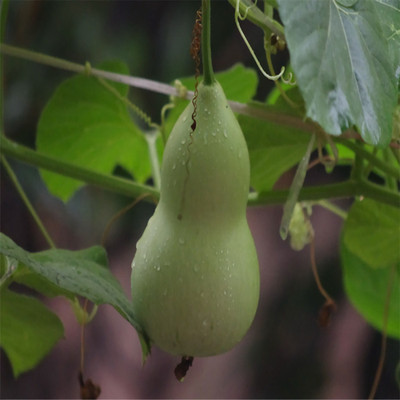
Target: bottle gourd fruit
{"x": 195, "y": 275}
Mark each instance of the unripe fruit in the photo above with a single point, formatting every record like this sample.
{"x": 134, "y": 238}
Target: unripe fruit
{"x": 195, "y": 276}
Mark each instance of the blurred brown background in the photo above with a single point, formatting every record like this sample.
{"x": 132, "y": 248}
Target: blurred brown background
{"x": 285, "y": 354}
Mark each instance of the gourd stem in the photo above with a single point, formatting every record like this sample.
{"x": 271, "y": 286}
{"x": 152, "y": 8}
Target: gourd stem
{"x": 208, "y": 72}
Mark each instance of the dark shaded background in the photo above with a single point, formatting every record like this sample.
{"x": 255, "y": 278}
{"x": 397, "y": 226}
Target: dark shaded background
{"x": 285, "y": 354}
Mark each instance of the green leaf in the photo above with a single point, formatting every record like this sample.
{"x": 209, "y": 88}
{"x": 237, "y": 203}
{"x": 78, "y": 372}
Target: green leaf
{"x": 88, "y": 125}
{"x": 346, "y": 156}
{"x": 239, "y": 84}
{"x": 367, "y": 290}
{"x": 28, "y": 330}
{"x": 372, "y": 233}
{"x": 82, "y": 273}
{"x": 273, "y": 148}
{"x": 345, "y": 63}
{"x": 389, "y": 13}
{"x": 27, "y": 276}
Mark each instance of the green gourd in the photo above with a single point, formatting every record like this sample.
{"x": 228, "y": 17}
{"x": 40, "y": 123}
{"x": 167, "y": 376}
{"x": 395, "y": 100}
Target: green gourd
{"x": 195, "y": 275}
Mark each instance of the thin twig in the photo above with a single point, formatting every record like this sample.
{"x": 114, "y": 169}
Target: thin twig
{"x": 382, "y": 355}
{"x": 314, "y": 268}
{"x": 118, "y": 215}
{"x": 27, "y": 203}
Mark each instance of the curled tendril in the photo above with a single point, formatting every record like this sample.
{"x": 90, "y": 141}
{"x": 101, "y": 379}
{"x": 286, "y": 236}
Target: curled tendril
{"x": 239, "y": 16}
{"x": 246, "y": 11}
{"x": 289, "y": 80}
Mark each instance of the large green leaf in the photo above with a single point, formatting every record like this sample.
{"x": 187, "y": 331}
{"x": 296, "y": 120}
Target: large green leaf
{"x": 372, "y": 233}
{"x": 87, "y": 124}
{"x": 367, "y": 289}
{"x": 28, "y": 330}
{"x": 82, "y": 273}
{"x": 344, "y": 57}
{"x": 389, "y": 13}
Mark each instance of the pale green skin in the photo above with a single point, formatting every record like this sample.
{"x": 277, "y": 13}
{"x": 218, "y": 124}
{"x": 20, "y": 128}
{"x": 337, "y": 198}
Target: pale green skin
{"x": 195, "y": 275}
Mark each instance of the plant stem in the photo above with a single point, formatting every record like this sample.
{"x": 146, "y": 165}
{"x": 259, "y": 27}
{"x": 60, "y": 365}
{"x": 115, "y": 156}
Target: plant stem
{"x": 294, "y": 190}
{"x": 332, "y": 191}
{"x": 129, "y": 188}
{"x": 208, "y": 72}
{"x": 257, "y": 17}
{"x": 107, "y": 182}
{"x": 80, "y": 69}
{"x": 332, "y": 208}
{"x": 365, "y": 154}
{"x": 255, "y": 109}
{"x": 27, "y": 202}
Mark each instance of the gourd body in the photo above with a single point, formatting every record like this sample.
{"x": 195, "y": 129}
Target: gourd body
{"x": 195, "y": 276}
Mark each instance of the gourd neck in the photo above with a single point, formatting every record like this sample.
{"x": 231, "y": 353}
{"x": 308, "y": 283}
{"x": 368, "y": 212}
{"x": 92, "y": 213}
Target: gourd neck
{"x": 208, "y": 72}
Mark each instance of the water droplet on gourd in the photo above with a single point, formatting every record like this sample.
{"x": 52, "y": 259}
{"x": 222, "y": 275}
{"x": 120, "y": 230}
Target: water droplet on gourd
{"x": 225, "y": 134}
{"x": 174, "y": 166}
{"x": 214, "y": 134}
{"x": 181, "y": 241}
{"x": 184, "y": 118}
{"x": 183, "y": 141}
{"x": 196, "y": 268}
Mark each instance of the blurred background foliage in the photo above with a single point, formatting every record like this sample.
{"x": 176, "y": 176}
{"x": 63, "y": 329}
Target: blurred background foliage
{"x": 285, "y": 354}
